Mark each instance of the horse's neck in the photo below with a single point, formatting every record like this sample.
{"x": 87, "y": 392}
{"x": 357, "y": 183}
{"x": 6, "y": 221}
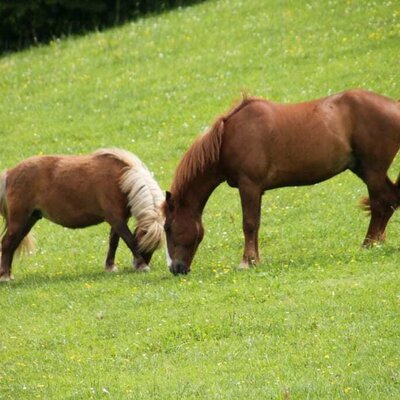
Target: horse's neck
{"x": 199, "y": 190}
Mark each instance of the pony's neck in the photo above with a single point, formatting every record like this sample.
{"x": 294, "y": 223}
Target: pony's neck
{"x": 199, "y": 189}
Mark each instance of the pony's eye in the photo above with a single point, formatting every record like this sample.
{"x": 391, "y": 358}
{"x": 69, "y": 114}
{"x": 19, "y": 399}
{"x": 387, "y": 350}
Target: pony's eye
{"x": 167, "y": 228}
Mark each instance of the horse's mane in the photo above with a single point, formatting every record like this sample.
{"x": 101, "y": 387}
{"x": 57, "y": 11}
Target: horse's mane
{"x": 144, "y": 197}
{"x": 204, "y": 152}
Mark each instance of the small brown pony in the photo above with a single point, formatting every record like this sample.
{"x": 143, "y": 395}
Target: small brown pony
{"x": 79, "y": 191}
{"x": 260, "y": 145}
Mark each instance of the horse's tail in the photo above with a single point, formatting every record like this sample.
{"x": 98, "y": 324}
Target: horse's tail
{"x": 365, "y": 203}
{"x": 28, "y": 243}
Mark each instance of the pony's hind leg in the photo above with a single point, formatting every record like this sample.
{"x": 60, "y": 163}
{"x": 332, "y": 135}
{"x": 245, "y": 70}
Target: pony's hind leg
{"x": 112, "y": 248}
{"x": 250, "y": 197}
{"x": 16, "y": 230}
{"x": 384, "y": 198}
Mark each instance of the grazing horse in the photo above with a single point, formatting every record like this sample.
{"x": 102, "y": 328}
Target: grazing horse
{"x": 79, "y": 191}
{"x": 260, "y": 145}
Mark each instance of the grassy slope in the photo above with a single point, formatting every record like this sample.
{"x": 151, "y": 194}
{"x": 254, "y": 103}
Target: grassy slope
{"x": 318, "y": 319}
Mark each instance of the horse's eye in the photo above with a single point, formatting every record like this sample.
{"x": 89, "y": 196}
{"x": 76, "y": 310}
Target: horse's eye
{"x": 167, "y": 228}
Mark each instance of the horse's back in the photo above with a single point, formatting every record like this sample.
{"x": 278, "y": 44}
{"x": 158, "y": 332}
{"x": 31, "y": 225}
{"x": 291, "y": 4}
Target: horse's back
{"x": 277, "y": 144}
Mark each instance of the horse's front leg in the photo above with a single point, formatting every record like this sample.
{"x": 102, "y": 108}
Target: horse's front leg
{"x": 110, "y": 265}
{"x": 250, "y": 196}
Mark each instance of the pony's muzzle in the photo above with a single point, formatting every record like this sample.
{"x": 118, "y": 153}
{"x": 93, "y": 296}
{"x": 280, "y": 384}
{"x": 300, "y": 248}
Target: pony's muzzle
{"x": 178, "y": 267}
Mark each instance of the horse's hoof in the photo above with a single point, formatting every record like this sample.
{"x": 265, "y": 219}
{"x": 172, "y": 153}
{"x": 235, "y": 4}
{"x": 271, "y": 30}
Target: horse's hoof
{"x": 246, "y": 264}
{"x": 111, "y": 268}
{"x": 243, "y": 266}
{"x": 144, "y": 268}
{"x": 369, "y": 244}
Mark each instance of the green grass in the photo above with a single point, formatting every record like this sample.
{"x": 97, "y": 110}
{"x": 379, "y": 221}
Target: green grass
{"x": 319, "y": 318}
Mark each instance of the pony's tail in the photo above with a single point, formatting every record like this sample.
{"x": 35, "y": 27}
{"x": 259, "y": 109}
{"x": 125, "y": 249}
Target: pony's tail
{"x": 28, "y": 242}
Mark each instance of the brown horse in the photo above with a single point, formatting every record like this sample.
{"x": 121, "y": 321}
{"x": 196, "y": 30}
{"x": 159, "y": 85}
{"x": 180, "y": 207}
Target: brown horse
{"x": 260, "y": 145}
{"x": 79, "y": 191}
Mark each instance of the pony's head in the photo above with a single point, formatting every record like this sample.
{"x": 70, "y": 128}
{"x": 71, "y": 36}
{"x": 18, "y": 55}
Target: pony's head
{"x": 184, "y": 232}
{"x": 147, "y": 240}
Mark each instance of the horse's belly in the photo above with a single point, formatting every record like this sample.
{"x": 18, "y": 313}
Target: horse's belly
{"x": 306, "y": 171}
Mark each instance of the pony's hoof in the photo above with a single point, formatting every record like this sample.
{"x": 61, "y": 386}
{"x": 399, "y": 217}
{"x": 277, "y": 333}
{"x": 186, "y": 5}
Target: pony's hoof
{"x": 143, "y": 268}
{"x": 111, "y": 268}
{"x": 6, "y": 278}
{"x": 139, "y": 265}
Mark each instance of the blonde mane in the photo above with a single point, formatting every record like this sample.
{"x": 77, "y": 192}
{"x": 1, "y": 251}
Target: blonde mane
{"x": 144, "y": 197}
{"x": 204, "y": 152}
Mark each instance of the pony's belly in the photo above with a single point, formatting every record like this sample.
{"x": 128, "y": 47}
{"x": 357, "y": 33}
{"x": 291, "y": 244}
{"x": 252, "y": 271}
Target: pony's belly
{"x": 74, "y": 221}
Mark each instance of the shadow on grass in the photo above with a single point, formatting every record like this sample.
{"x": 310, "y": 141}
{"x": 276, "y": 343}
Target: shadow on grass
{"x": 123, "y": 276}
{"x": 273, "y": 266}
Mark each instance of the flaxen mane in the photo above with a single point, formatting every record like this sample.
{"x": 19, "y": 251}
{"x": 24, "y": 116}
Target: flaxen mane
{"x": 204, "y": 152}
{"x": 144, "y": 197}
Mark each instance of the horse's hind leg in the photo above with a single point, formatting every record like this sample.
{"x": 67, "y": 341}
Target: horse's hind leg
{"x": 250, "y": 197}
{"x": 17, "y": 229}
{"x": 384, "y": 198}
{"x": 112, "y": 248}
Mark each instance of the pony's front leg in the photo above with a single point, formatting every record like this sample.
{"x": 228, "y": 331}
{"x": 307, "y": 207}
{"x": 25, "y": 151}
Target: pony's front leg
{"x": 250, "y": 196}
{"x": 122, "y": 229}
{"x": 110, "y": 265}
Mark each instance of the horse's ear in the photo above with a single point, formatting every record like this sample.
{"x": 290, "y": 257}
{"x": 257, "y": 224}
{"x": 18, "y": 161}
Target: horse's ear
{"x": 168, "y": 200}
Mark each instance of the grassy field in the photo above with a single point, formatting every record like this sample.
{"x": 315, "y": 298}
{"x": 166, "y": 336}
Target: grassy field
{"x": 318, "y": 319}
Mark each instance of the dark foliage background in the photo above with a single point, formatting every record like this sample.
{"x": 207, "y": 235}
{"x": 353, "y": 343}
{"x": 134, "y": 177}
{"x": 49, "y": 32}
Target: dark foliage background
{"x": 24, "y": 22}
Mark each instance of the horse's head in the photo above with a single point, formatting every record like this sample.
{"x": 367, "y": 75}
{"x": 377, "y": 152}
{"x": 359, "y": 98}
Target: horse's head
{"x": 184, "y": 232}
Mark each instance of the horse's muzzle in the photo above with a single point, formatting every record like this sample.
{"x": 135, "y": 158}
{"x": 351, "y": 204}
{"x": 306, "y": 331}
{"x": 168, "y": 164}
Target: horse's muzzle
{"x": 178, "y": 267}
